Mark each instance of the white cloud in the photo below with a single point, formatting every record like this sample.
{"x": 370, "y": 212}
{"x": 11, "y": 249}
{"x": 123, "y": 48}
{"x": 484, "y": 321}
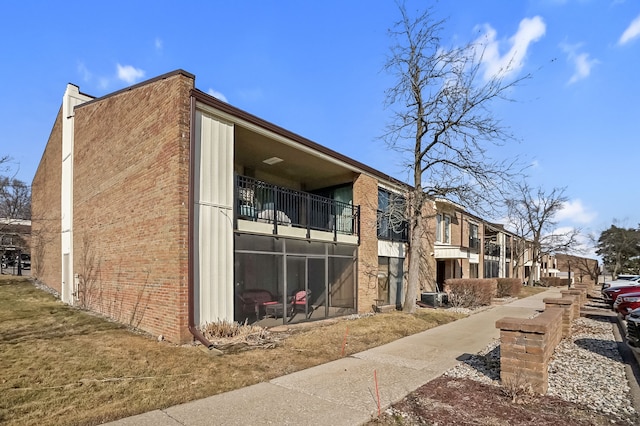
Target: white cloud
{"x": 631, "y": 33}
{"x": 103, "y": 83}
{"x": 574, "y": 211}
{"x": 217, "y": 95}
{"x": 84, "y": 72}
{"x": 581, "y": 62}
{"x": 129, "y": 74}
{"x": 529, "y": 31}
{"x": 158, "y": 44}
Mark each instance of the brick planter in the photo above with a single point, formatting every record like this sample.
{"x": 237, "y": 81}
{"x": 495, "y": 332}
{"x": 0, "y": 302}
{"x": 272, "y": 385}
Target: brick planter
{"x": 584, "y": 288}
{"x": 568, "y": 305}
{"x": 526, "y": 346}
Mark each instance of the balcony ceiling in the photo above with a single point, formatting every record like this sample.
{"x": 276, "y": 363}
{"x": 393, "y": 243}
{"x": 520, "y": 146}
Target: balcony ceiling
{"x": 313, "y": 171}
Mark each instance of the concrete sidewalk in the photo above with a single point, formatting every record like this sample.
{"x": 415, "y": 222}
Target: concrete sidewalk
{"x": 343, "y": 392}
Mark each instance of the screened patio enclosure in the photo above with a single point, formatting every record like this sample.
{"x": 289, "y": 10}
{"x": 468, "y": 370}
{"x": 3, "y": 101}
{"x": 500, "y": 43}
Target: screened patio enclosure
{"x": 281, "y": 280}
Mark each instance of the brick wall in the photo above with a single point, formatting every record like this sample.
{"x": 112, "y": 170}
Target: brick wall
{"x": 45, "y": 212}
{"x": 131, "y": 205}
{"x": 526, "y": 347}
{"x": 577, "y": 295}
{"x": 365, "y": 194}
{"x": 567, "y": 304}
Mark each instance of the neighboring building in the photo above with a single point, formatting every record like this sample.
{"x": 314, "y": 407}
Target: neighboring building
{"x": 582, "y": 269}
{"x": 467, "y": 246}
{"x": 165, "y": 208}
{"x": 548, "y": 266}
{"x": 15, "y": 240}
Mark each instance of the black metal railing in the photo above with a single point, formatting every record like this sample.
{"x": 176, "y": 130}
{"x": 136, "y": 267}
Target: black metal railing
{"x": 264, "y": 202}
{"x": 491, "y": 249}
{"x": 392, "y": 230}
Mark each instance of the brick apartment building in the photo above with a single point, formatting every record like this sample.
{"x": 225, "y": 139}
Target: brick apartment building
{"x": 165, "y": 208}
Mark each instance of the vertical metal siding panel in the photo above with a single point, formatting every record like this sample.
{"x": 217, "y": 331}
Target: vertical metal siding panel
{"x": 215, "y": 233}
{"x": 226, "y": 224}
{"x": 216, "y": 168}
{"x": 223, "y": 197}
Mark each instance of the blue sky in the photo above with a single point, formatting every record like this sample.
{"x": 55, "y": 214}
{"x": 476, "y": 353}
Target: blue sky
{"x": 315, "y": 68}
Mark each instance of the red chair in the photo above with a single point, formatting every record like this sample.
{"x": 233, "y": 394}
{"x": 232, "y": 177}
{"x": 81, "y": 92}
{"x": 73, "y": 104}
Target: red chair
{"x": 300, "y": 303}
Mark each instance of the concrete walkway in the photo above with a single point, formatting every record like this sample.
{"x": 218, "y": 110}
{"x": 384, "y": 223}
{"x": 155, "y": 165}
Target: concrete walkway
{"x": 343, "y": 392}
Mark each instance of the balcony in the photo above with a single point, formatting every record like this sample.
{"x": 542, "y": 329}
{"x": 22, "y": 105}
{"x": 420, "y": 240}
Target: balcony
{"x": 283, "y": 208}
{"x": 491, "y": 249}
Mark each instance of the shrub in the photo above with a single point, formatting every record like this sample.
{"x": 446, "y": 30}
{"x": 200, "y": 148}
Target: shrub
{"x": 508, "y": 287}
{"x": 470, "y": 293}
{"x": 553, "y": 281}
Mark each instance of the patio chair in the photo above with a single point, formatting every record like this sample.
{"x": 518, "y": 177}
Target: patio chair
{"x": 300, "y": 303}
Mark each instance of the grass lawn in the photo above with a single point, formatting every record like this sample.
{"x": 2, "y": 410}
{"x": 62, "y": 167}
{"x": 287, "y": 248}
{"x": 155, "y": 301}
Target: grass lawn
{"x": 530, "y": 291}
{"x": 63, "y": 366}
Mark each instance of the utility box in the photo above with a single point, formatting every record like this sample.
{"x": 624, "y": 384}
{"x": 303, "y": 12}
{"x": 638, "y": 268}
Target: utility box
{"x": 433, "y": 299}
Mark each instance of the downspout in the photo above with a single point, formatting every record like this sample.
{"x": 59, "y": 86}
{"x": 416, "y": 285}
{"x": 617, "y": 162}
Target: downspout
{"x": 197, "y": 334}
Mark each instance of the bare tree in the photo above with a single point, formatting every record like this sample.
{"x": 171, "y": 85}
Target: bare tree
{"x": 15, "y": 199}
{"x": 88, "y": 276}
{"x": 442, "y": 122}
{"x": 531, "y": 212}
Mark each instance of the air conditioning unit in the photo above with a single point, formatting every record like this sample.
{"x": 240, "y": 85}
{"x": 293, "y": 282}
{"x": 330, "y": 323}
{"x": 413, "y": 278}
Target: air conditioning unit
{"x": 434, "y": 299}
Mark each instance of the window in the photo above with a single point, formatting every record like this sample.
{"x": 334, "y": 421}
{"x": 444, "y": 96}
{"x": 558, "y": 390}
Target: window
{"x": 447, "y": 227}
{"x": 491, "y": 269}
{"x": 443, "y": 228}
{"x": 392, "y": 223}
{"x": 390, "y": 279}
{"x": 473, "y": 270}
{"x": 474, "y": 242}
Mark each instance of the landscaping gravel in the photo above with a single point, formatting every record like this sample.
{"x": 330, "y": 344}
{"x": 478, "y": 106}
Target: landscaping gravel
{"x": 586, "y": 369}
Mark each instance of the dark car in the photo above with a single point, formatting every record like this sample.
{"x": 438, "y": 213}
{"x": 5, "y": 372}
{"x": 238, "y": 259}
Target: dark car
{"x": 611, "y": 294}
{"x": 625, "y": 303}
{"x": 11, "y": 261}
{"x": 633, "y": 328}
{"x": 25, "y": 259}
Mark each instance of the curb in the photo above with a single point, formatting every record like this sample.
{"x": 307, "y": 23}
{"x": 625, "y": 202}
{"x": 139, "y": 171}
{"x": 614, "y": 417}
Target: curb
{"x": 631, "y": 358}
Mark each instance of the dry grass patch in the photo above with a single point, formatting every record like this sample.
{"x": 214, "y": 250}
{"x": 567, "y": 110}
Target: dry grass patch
{"x": 530, "y": 291}
{"x": 63, "y": 366}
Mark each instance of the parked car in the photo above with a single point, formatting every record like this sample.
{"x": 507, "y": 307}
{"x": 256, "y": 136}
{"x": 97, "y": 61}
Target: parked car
{"x": 633, "y": 328}
{"x": 625, "y": 303}
{"x": 620, "y": 282}
{"x": 612, "y": 293}
{"x": 11, "y": 261}
{"x": 26, "y": 260}
{"x": 627, "y": 276}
